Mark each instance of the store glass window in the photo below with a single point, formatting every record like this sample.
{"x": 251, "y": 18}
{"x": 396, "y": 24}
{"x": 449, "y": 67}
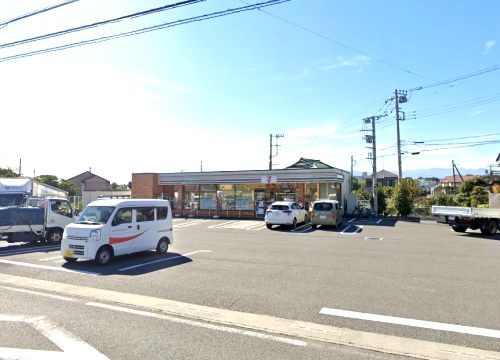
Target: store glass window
{"x": 208, "y": 197}
{"x": 225, "y": 197}
{"x": 310, "y": 194}
{"x": 244, "y": 197}
{"x": 328, "y": 191}
{"x": 191, "y": 197}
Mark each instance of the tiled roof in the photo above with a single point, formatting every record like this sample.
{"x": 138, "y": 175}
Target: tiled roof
{"x": 458, "y": 180}
{"x": 304, "y": 163}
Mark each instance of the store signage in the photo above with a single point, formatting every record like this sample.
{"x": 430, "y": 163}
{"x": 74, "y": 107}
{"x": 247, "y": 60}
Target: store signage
{"x": 269, "y": 179}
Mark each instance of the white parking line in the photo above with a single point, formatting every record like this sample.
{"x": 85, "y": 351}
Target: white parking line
{"x": 257, "y": 226}
{"x": 222, "y": 224}
{"x": 161, "y": 260}
{"x": 302, "y": 228}
{"x": 414, "y": 323}
{"x": 228, "y": 329}
{"x": 190, "y": 223}
{"x": 359, "y": 228}
{"x": 44, "y": 267}
{"x": 380, "y": 220}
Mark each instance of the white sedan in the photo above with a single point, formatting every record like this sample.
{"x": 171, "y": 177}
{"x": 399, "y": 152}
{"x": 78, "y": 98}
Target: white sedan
{"x": 285, "y": 213}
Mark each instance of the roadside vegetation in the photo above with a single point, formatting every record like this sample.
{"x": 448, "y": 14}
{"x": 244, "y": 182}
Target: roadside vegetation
{"x": 407, "y": 198}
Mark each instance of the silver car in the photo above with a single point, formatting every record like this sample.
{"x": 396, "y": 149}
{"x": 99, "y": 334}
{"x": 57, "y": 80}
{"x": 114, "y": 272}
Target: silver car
{"x": 326, "y": 212}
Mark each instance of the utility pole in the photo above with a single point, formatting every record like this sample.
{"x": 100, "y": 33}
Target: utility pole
{"x": 20, "y": 172}
{"x": 352, "y": 170}
{"x": 201, "y": 166}
{"x": 371, "y": 139}
{"x": 399, "y": 97}
{"x": 271, "y": 156}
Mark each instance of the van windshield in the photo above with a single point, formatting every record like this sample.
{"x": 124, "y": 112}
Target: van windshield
{"x": 95, "y": 215}
{"x": 323, "y": 206}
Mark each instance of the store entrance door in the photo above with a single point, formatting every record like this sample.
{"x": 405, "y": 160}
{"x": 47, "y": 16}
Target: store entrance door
{"x": 260, "y": 203}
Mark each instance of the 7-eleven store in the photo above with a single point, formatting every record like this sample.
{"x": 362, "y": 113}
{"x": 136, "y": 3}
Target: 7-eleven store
{"x": 243, "y": 194}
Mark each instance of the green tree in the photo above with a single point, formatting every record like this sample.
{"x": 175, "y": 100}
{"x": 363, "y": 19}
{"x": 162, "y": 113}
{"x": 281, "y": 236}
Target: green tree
{"x": 8, "y": 172}
{"x": 473, "y": 192}
{"x": 383, "y": 195}
{"x": 69, "y": 186}
{"x": 405, "y": 194}
{"x": 51, "y": 180}
{"x": 442, "y": 200}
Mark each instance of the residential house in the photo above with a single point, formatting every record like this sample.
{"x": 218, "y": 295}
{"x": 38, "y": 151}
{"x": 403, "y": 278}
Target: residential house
{"x": 384, "y": 178}
{"x": 87, "y": 181}
{"x": 450, "y": 184}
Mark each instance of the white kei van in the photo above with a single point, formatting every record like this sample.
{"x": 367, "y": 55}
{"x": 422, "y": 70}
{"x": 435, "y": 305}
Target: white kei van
{"x": 113, "y": 227}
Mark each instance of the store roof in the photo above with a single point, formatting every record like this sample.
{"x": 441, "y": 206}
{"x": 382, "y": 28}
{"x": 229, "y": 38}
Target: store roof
{"x": 304, "y": 163}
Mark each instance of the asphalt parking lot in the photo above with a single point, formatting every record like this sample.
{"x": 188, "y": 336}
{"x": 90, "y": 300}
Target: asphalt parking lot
{"x": 411, "y": 280}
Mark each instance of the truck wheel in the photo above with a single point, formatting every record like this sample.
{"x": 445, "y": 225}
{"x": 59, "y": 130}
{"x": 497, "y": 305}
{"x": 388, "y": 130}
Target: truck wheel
{"x": 54, "y": 237}
{"x": 459, "y": 228}
{"x": 492, "y": 227}
{"x": 69, "y": 259}
{"x": 104, "y": 255}
{"x": 269, "y": 226}
{"x": 162, "y": 246}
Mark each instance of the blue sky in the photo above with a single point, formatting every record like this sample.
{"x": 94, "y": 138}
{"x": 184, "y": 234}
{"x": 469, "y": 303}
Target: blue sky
{"x": 214, "y": 90}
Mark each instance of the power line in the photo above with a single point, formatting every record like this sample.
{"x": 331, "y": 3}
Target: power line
{"x": 458, "y": 78}
{"x": 100, "y": 23}
{"x": 147, "y": 29}
{"x": 36, "y": 12}
{"x": 463, "y": 137}
{"x": 380, "y": 60}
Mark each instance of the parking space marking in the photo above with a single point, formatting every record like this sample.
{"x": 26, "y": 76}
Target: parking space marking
{"x": 359, "y": 228}
{"x": 190, "y": 223}
{"x": 162, "y": 260}
{"x": 258, "y": 226}
{"x": 412, "y": 322}
{"x": 302, "y": 228}
{"x": 44, "y": 267}
{"x": 222, "y": 224}
{"x": 373, "y": 238}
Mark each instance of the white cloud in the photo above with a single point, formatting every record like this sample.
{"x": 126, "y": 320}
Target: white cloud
{"x": 356, "y": 61}
{"x": 488, "y": 45}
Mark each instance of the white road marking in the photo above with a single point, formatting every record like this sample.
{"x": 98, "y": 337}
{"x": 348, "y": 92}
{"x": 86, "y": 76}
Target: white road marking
{"x": 71, "y": 346}
{"x": 294, "y": 329}
{"x": 57, "y": 297}
{"x": 257, "y": 226}
{"x": 190, "y": 223}
{"x": 414, "y": 323}
{"x": 201, "y": 324}
{"x": 222, "y": 224}
{"x": 44, "y": 267}
{"x": 373, "y": 238}
{"x": 162, "y": 260}
{"x": 304, "y": 228}
{"x": 30, "y": 250}
{"x": 50, "y": 258}
{"x": 359, "y": 228}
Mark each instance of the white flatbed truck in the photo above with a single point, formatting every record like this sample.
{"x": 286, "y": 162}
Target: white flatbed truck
{"x": 44, "y": 222}
{"x": 462, "y": 218}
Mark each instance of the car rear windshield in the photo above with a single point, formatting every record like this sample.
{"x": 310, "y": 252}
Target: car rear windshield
{"x": 323, "y": 206}
{"x": 280, "y": 207}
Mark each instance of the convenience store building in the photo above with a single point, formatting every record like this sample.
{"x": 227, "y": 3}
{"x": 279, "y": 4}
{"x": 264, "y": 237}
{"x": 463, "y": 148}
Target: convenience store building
{"x": 243, "y": 194}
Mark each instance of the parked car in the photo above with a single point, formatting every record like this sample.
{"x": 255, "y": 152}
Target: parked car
{"x": 326, "y": 212}
{"x": 285, "y": 213}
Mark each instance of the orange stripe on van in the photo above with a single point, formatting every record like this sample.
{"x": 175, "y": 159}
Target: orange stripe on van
{"x": 119, "y": 240}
